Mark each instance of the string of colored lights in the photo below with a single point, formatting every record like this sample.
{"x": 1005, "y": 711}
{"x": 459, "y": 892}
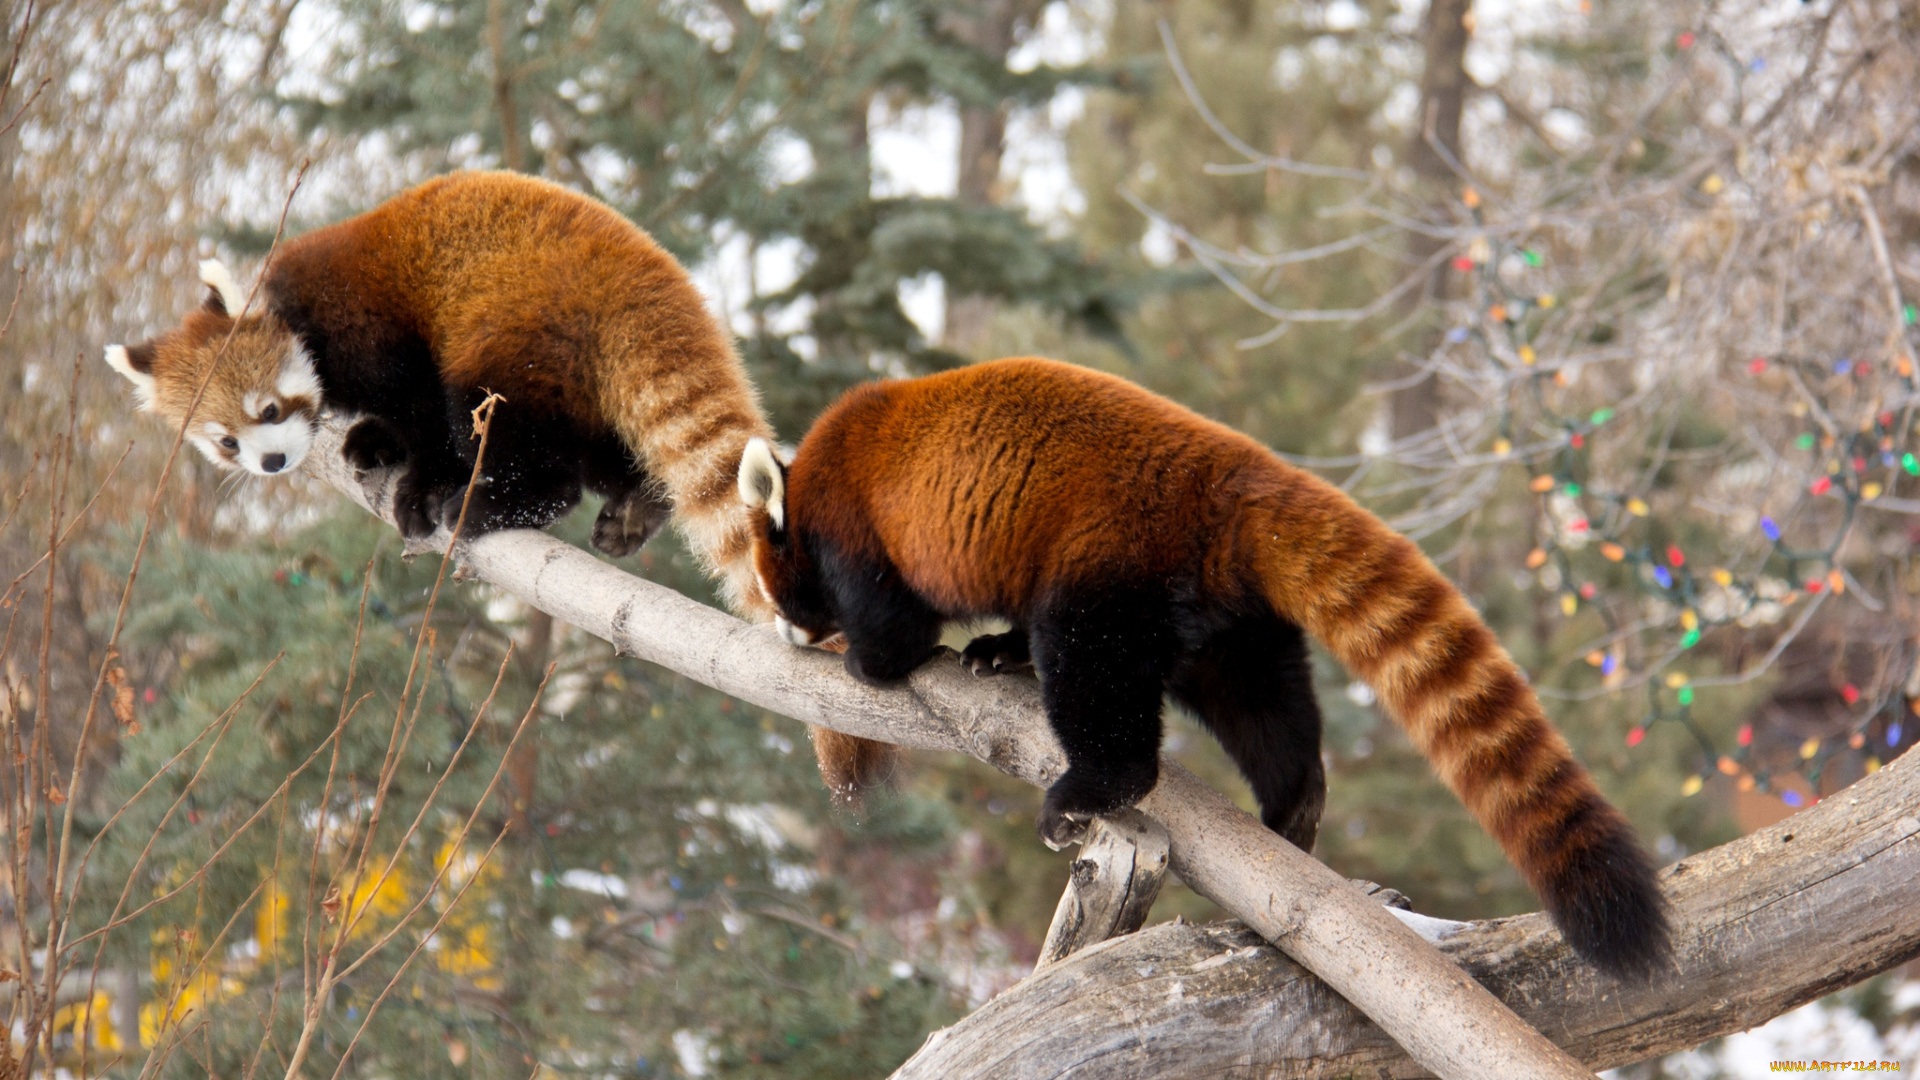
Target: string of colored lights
{"x": 1854, "y": 465}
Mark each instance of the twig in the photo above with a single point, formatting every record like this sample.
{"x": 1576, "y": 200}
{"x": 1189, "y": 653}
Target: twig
{"x": 1255, "y": 158}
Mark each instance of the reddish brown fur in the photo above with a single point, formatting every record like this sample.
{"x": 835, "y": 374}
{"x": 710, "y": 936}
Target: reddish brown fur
{"x": 552, "y": 298}
{"x": 990, "y": 487}
{"x": 516, "y": 282}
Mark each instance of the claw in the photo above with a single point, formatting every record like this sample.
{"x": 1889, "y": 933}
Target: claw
{"x": 1065, "y": 830}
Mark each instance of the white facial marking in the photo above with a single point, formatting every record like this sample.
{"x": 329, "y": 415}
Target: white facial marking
{"x": 290, "y": 440}
{"x": 210, "y": 450}
{"x": 760, "y": 481}
{"x": 766, "y": 590}
{"x": 118, "y": 360}
{"x": 296, "y": 375}
{"x": 791, "y": 633}
{"x": 215, "y": 274}
{"x": 208, "y": 440}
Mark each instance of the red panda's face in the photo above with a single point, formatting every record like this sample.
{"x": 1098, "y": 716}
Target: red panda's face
{"x": 781, "y": 562}
{"x": 261, "y": 397}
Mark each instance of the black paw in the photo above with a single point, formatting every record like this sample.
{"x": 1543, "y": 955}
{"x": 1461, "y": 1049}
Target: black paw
{"x": 1301, "y": 824}
{"x": 1387, "y": 897}
{"x": 991, "y": 654}
{"x": 447, "y": 504}
{"x": 373, "y": 444}
{"x": 411, "y": 513}
{"x": 1078, "y": 797}
{"x": 879, "y": 669}
{"x": 443, "y": 504}
{"x": 487, "y": 508}
{"x": 629, "y": 520}
{"x": 1059, "y": 828}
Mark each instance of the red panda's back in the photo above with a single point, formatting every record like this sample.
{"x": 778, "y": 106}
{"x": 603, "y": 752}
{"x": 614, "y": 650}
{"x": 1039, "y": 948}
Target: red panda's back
{"x": 519, "y": 283}
{"x": 993, "y": 483}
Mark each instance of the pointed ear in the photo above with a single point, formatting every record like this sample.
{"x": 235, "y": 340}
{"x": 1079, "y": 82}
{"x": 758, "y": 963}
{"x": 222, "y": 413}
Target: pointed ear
{"x": 223, "y": 293}
{"x": 763, "y": 480}
{"x": 136, "y": 364}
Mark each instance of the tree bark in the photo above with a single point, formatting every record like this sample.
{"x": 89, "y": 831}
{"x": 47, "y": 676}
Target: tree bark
{"x": 1443, "y": 92}
{"x": 1444, "y": 1020}
{"x": 1763, "y": 924}
{"x": 989, "y": 27}
{"x": 504, "y": 107}
{"x": 1116, "y": 878}
{"x": 523, "y": 761}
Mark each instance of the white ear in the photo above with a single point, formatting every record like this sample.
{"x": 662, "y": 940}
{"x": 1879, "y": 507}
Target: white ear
{"x": 761, "y": 482}
{"x": 215, "y": 274}
{"x": 142, "y": 382}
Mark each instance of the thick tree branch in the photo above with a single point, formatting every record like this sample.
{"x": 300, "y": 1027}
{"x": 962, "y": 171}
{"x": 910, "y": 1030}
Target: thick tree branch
{"x": 1764, "y": 924}
{"x": 1427, "y": 1004}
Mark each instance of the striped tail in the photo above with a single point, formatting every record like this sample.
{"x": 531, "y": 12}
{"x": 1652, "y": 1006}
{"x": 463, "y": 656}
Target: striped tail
{"x": 1380, "y": 606}
{"x": 687, "y": 413}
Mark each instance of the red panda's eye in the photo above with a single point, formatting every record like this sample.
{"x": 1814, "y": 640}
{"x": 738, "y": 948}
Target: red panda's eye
{"x": 269, "y": 414}
{"x": 230, "y": 443}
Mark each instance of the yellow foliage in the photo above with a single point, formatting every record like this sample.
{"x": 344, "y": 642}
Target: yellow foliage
{"x": 270, "y": 920}
{"x": 204, "y": 990}
{"x": 94, "y": 1018}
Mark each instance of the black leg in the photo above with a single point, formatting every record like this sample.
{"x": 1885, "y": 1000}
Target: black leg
{"x": 890, "y": 630}
{"x": 1252, "y": 685}
{"x": 630, "y": 518}
{"x": 433, "y": 468}
{"x": 374, "y": 443}
{"x": 991, "y": 654}
{"x": 531, "y": 475}
{"x": 1102, "y": 666}
{"x": 637, "y": 505}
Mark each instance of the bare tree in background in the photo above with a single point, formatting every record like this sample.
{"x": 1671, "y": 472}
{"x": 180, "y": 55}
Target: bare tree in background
{"x": 1687, "y": 333}
{"x": 1433, "y": 153}
{"x": 991, "y": 27}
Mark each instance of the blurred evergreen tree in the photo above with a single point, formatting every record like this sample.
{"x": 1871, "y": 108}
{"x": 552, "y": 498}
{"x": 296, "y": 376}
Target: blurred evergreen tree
{"x": 1276, "y": 77}
{"x": 728, "y": 128}
{"x": 684, "y": 891}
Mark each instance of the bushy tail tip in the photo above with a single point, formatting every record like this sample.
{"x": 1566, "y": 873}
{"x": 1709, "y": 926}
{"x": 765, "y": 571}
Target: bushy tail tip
{"x": 1607, "y": 903}
{"x": 852, "y": 766}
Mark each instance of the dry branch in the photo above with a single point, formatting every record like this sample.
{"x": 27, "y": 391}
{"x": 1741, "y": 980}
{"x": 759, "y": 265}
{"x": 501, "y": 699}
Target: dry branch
{"x": 1763, "y": 924}
{"x": 1441, "y": 1017}
{"x": 1115, "y": 880}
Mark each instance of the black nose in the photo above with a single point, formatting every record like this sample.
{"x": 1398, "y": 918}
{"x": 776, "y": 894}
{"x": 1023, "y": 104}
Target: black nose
{"x": 273, "y": 462}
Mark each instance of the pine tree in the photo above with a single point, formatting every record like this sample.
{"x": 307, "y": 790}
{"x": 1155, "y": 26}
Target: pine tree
{"x": 679, "y": 883}
{"x": 728, "y": 122}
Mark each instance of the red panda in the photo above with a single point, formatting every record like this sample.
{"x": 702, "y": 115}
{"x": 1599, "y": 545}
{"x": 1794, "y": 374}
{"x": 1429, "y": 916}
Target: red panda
{"x": 1141, "y": 550}
{"x": 616, "y": 378}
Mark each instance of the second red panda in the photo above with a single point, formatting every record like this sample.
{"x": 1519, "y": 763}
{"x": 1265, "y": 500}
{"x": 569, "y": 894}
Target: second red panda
{"x": 1140, "y": 550}
{"x": 616, "y": 378}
